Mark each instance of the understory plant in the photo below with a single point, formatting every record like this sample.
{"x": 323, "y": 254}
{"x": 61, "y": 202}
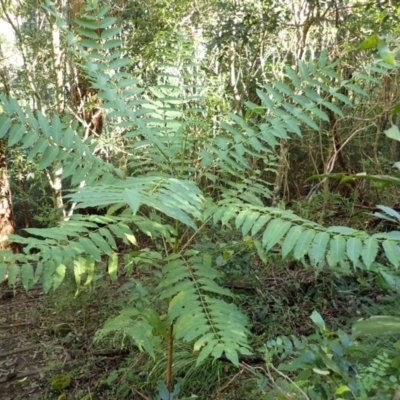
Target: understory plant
{"x": 179, "y": 180}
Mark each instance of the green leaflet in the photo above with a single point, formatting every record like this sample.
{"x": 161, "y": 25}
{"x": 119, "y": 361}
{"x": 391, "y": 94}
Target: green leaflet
{"x": 249, "y": 222}
{"x": 100, "y": 242}
{"x": 90, "y": 248}
{"x": 302, "y": 246}
{"x": 369, "y": 251}
{"x": 354, "y": 249}
{"x": 5, "y": 125}
{"x": 337, "y": 250}
{"x": 291, "y": 239}
{"x": 392, "y": 252}
{"x": 392, "y": 280}
{"x": 242, "y": 217}
{"x": 48, "y": 157}
{"x": 16, "y": 134}
{"x": 317, "y": 250}
{"x": 59, "y": 275}
{"x": 113, "y": 266}
{"x": 26, "y": 276}
{"x": 276, "y": 229}
{"x": 3, "y": 271}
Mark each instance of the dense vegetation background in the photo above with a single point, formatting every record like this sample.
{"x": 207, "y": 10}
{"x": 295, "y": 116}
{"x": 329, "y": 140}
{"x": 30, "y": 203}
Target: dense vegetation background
{"x": 204, "y": 194}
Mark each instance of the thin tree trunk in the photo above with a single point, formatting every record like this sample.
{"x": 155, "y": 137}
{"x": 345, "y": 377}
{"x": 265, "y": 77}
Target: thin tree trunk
{"x": 7, "y": 221}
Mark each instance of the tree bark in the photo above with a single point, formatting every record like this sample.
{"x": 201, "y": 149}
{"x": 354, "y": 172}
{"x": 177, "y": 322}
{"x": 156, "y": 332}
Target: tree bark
{"x": 7, "y": 221}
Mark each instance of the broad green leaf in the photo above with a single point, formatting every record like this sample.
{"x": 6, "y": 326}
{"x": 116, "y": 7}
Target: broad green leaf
{"x": 40, "y": 147}
{"x": 303, "y": 70}
{"x": 319, "y": 113}
{"x": 377, "y": 326}
{"x": 48, "y": 157}
{"x": 59, "y": 275}
{"x": 99, "y": 241}
{"x": 3, "y": 271}
{"x": 44, "y": 125}
{"x": 283, "y": 88}
{"x": 106, "y": 22}
{"x": 259, "y": 224}
{"x": 27, "y": 276}
{"x": 16, "y": 134}
{"x": 354, "y": 249}
{"x": 291, "y": 239}
{"x": 356, "y": 89}
{"x": 392, "y": 280}
{"x": 390, "y": 212}
{"x": 389, "y": 57}
{"x": 113, "y": 266}
{"x": 110, "y": 239}
{"x": 5, "y": 124}
{"x": 393, "y": 133}
{"x": 133, "y": 198}
{"x": 13, "y": 274}
{"x": 276, "y": 229}
{"x": 107, "y": 33}
{"x": 249, "y": 222}
{"x": 303, "y": 244}
{"x": 91, "y": 44}
{"x": 293, "y": 76}
{"x": 342, "y": 389}
{"x": 332, "y": 107}
{"x": 337, "y": 250}
{"x": 274, "y": 93}
{"x": 392, "y": 251}
{"x": 228, "y": 215}
{"x": 318, "y": 320}
{"x": 28, "y": 140}
{"x": 90, "y": 248}
{"x": 369, "y": 251}
{"x": 123, "y": 62}
{"x": 47, "y": 276}
{"x": 318, "y": 248}
{"x": 87, "y": 23}
{"x": 343, "y": 230}
{"x": 88, "y": 33}
{"x": 323, "y": 57}
{"x": 241, "y": 217}
{"x": 371, "y": 42}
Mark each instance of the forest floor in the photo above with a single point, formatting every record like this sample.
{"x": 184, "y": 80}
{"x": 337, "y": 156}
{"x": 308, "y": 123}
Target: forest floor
{"x": 44, "y": 338}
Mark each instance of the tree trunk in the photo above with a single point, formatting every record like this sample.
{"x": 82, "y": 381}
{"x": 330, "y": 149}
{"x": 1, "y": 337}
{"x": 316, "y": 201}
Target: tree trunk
{"x": 7, "y": 221}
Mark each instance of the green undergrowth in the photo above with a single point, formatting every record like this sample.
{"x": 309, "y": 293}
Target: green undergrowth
{"x": 278, "y": 297}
